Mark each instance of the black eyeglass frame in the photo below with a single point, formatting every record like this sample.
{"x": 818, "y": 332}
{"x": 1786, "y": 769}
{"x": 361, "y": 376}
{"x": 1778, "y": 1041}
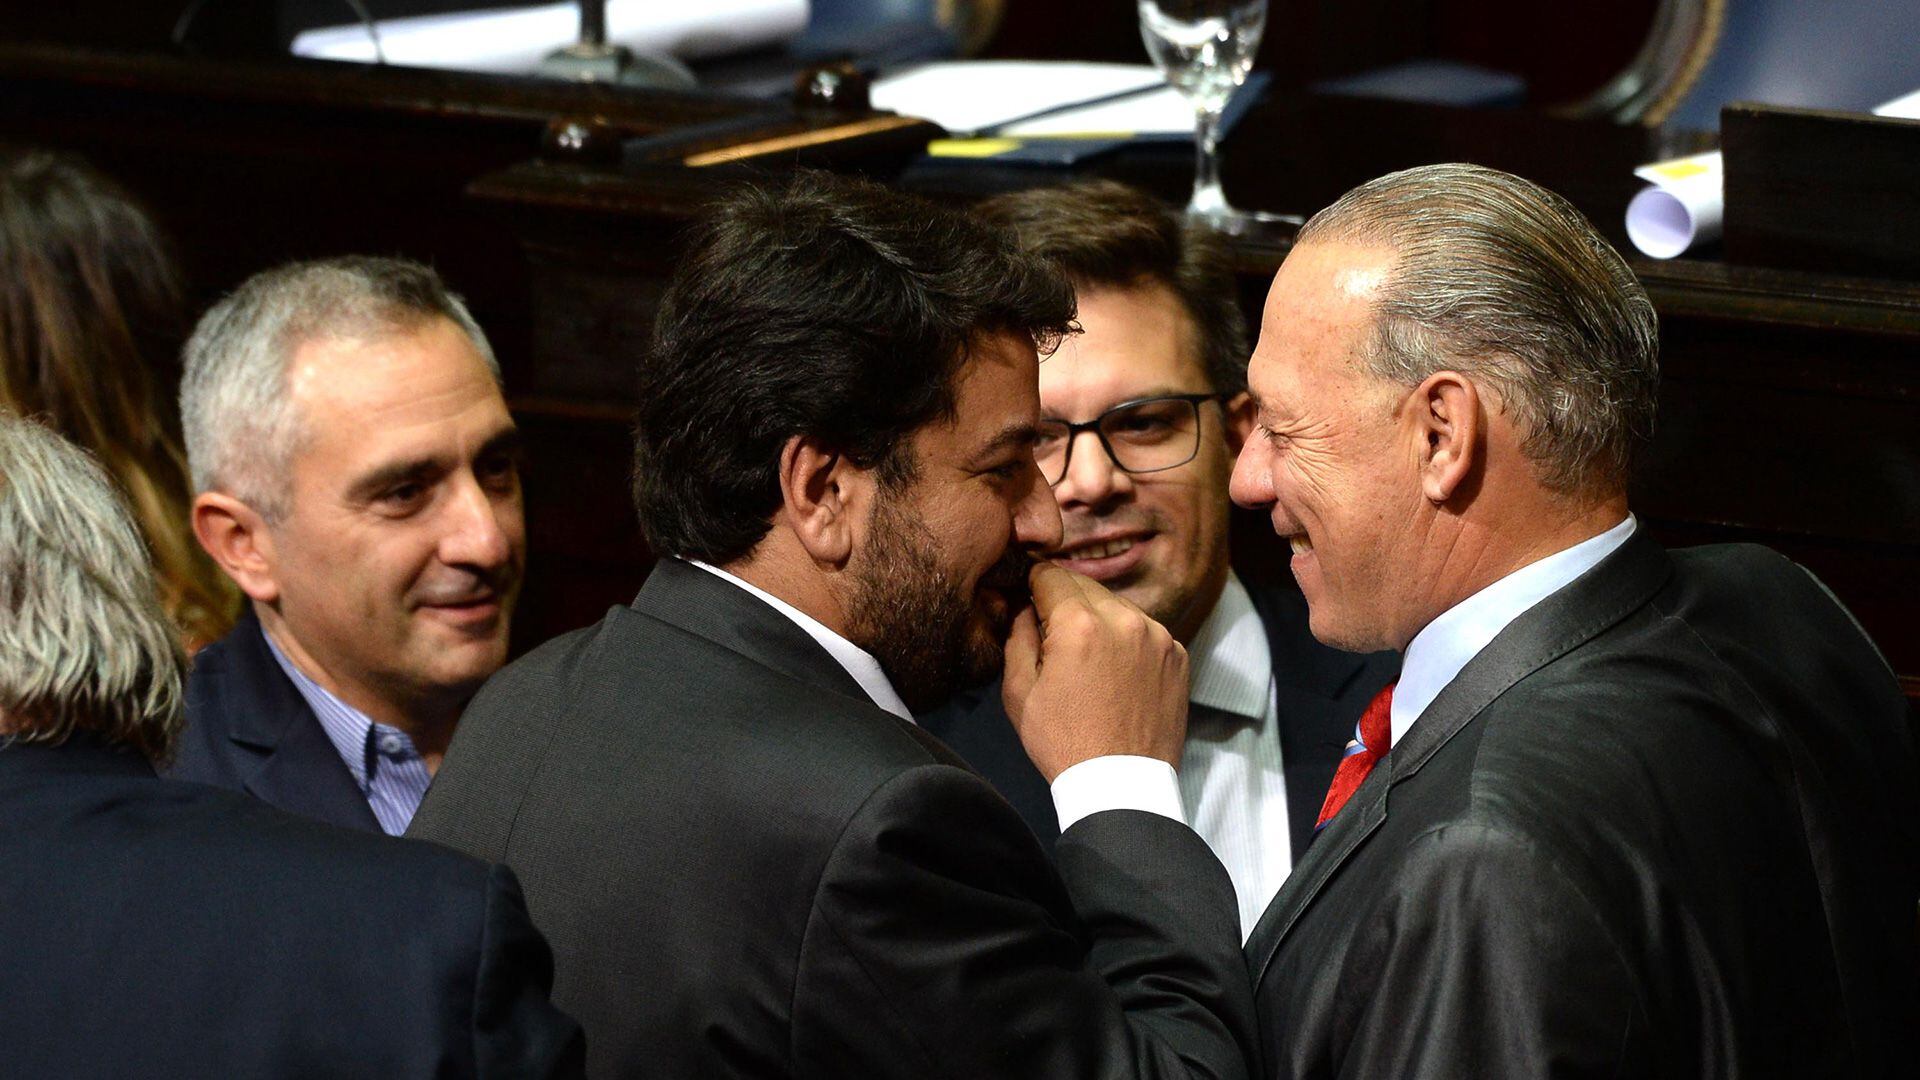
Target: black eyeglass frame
{"x": 1093, "y": 425}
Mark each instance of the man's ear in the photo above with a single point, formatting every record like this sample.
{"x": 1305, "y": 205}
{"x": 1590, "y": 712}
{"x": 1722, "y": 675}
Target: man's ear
{"x": 1452, "y": 430}
{"x": 1239, "y": 413}
{"x": 824, "y": 499}
{"x": 237, "y": 537}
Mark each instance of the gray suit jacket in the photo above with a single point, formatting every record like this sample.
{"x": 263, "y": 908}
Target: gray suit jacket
{"x": 747, "y": 869}
{"x": 1664, "y": 825}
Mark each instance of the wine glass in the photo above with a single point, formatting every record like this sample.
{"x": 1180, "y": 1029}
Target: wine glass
{"x": 1205, "y": 49}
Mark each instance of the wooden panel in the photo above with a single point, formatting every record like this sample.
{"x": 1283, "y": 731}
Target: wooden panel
{"x": 1813, "y": 190}
{"x": 585, "y": 552}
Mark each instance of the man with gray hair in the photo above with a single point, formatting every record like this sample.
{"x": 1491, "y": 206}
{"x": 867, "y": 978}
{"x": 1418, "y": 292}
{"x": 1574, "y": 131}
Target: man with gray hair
{"x": 1628, "y": 812}
{"x": 357, "y": 475}
{"x": 167, "y": 929}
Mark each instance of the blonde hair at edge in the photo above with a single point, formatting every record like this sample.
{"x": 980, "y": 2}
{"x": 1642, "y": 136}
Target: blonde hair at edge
{"x": 84, "y": 643}
{"x": 91, "y": 321}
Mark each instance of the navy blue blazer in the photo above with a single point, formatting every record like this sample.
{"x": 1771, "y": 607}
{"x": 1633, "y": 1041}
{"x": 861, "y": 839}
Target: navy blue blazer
{"x": 160, "y": 929}
{"x": 1321, "y": 693}
{"x": 248, "y": 729}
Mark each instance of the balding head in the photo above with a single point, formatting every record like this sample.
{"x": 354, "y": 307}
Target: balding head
{"x": 1504, "y": 281}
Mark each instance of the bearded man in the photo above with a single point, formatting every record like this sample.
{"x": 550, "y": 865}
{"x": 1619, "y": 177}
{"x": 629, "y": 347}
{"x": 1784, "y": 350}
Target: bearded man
{"x": 748, "y": 858}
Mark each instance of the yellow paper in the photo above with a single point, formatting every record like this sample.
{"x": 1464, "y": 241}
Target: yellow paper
{"x": 971, "y": 148}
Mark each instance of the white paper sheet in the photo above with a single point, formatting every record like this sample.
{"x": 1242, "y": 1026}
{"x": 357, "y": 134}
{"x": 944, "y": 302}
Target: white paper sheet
{"x": 515, "y": 40}
{"x": 967, "y": 96}
{"x": 1687, "y": 202}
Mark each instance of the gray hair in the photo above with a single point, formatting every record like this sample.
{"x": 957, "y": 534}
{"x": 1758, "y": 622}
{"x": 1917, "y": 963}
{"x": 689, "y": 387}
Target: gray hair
{"x": 1502, "y": 280}
{"x": 84, "y": 641}
{"x": 241, "y": 430}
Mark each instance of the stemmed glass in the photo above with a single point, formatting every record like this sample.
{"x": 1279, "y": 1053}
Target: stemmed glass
{"x": 1205, "y": 49}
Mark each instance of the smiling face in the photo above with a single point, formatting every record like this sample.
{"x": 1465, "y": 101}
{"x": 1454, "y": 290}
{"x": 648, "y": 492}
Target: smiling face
{"x": 394, "y": 572}
{"x": 1157, "y": 538}
{"x": 1333, "y": 456}
{"x": 943, "y": 567}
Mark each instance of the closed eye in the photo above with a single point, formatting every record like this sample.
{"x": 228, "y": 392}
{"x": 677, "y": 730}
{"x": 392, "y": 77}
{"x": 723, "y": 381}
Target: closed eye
{"x": 402, "y": 498}
{"x": 498, "y": 471}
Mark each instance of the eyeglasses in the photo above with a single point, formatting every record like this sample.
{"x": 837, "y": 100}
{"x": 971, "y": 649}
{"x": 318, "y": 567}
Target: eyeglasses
{"x": 1141, "y": 436}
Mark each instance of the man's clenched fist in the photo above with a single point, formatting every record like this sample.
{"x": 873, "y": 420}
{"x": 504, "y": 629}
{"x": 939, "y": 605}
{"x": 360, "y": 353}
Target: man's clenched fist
{"x": 1089, "y": 674}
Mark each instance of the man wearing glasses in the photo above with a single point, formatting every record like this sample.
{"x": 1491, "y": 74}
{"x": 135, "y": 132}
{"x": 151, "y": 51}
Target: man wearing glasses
{"x": 1146, "y": 411}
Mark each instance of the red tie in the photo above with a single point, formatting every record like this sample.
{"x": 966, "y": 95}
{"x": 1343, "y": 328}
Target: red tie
{"x": 1372, "y": 737}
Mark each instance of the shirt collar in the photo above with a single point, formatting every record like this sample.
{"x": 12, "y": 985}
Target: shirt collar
{"x": 1231, "y": 663}
{"x": 859, "y": 663}
{"x": 347, "y": 728}
{"x": 1445, "y": 645}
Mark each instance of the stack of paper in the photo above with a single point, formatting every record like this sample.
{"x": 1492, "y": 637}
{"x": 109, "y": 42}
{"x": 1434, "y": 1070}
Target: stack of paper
{"x": 1045, "y": 99}
{"x": 515, "y": 40}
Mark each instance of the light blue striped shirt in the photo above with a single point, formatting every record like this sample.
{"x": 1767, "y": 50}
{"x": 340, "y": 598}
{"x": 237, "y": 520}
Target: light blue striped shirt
{"x": 384, "y": 763}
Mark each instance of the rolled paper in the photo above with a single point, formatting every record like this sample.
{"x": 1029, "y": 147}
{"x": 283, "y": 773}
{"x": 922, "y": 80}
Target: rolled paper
{"x": 1683, "y": 208}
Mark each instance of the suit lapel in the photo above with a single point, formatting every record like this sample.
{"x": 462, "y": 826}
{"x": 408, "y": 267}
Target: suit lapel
{"x": 1598, "y": 599}
{"x": 303, "y": 774}
{"x": 700, "y": 603}
{"x": 683, "y": 595}
{"x": 297, "y": 767}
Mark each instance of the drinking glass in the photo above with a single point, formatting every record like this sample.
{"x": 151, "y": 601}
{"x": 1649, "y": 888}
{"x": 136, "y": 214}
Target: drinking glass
{"x": 1205, "y": 49}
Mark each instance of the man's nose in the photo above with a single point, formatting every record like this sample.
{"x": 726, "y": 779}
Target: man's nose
{"x": 1251, "y": 485}
{"x": 482, "y": 528}
{"x": 1092, "y": 478}
{"x": 1036, "y": 518}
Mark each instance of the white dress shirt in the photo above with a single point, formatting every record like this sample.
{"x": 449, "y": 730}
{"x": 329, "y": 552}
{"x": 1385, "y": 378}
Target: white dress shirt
{"x": 1115, "y": 782}
{"x": 1437, "y": 653}
{"x": 1233, "y": 783}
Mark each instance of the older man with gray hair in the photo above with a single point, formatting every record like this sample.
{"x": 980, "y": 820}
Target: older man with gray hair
{"x": 1628, "y": 812}
{"x": 357, "y": 476}
{"x": 166, "y": 929}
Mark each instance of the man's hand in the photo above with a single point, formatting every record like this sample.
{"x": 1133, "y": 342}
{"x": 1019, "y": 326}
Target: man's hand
{"x": 1088, "y": 674}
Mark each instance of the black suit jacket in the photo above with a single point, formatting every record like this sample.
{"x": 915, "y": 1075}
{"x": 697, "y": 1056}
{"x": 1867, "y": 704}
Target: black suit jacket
{"x": 160, "y": 929}
{"x": 747, "y": 869}
{"x": 248, "y": 729}
{"x": 1321, "y": 693}
{"x": 1662, "y": 826}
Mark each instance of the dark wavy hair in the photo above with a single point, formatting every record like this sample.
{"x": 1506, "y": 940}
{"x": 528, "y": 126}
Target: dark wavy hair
{"x": 823, "y": 306}
{"x": 1104, "y": 233}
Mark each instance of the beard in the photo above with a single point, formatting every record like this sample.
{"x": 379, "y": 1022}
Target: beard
{"x": 918, "y": 618}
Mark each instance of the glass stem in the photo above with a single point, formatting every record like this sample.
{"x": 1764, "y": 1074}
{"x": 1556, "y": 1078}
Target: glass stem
{"x": 1207, "y": 196}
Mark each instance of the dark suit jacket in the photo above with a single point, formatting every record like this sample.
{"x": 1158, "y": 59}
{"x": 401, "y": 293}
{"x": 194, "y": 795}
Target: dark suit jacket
{"x": 159, "y": 929}
{"x": 248, "y": 729}
{"x": 748, "y": 869}
{"x": 1321, "y": 693}
{"x": 1662, "y": 826}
